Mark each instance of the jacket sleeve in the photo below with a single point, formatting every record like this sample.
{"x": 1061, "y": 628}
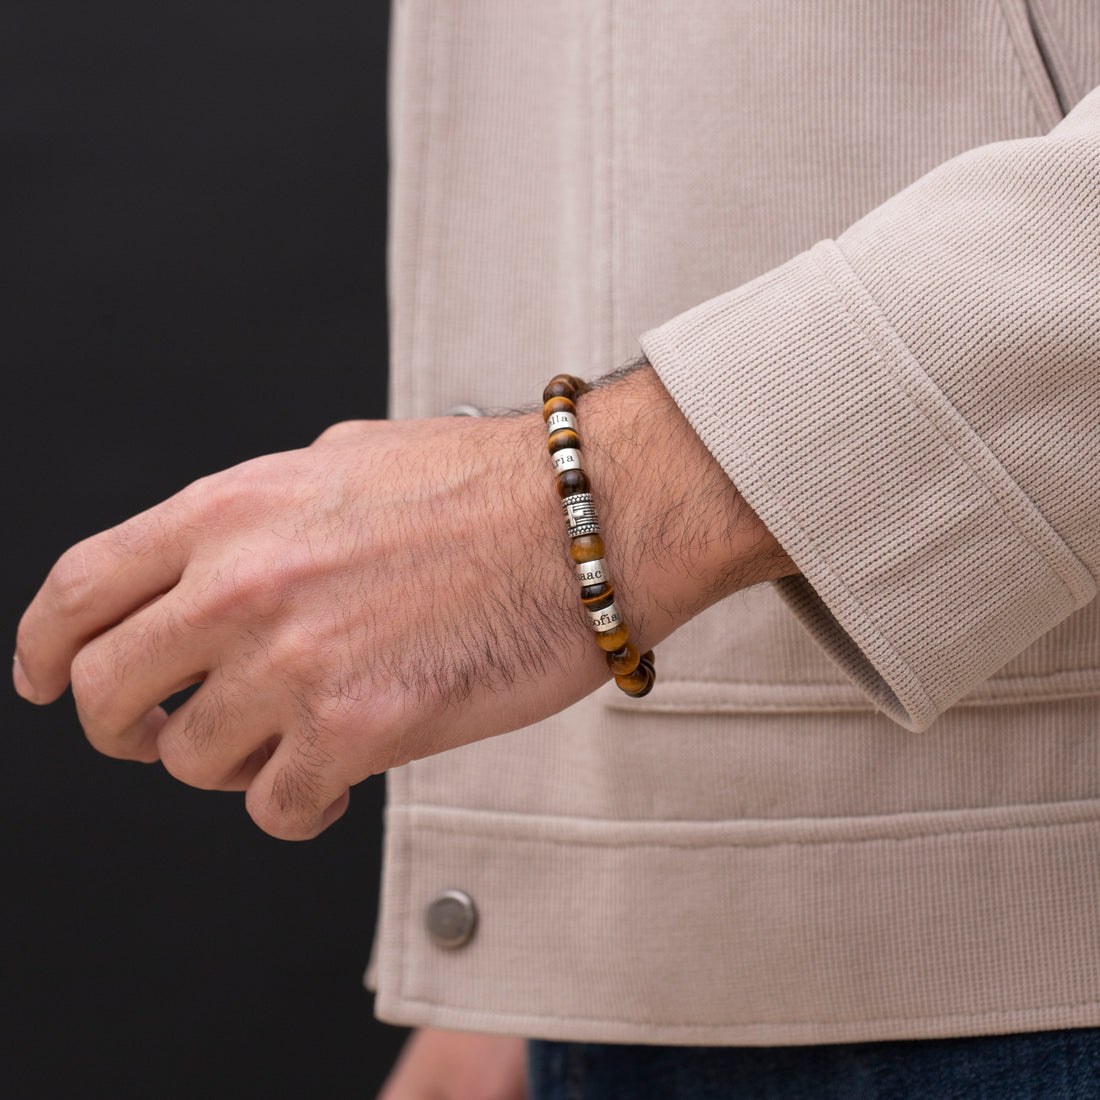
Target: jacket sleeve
{"x": 914, "y": 411}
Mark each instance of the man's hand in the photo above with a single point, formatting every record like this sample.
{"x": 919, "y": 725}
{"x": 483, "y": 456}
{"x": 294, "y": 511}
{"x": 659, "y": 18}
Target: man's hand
{"x": 395, "y": 590}
{"x": 454, "y": 1065}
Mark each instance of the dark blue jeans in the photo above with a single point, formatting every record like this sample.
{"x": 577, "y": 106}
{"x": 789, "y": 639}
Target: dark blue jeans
{"x": 1052, "y": 1065}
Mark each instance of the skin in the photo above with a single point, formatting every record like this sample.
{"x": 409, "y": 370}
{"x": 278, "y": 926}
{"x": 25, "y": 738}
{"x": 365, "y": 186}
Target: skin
{"x": 392, "y": 591}
{"x": 455, "y": 1065}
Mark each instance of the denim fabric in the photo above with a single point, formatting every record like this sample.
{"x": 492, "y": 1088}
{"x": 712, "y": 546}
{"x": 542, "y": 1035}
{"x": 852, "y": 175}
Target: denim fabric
{"x": 1054, "y": 1065}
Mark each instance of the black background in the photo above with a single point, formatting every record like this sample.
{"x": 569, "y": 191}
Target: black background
{"x": 192, "y": 274}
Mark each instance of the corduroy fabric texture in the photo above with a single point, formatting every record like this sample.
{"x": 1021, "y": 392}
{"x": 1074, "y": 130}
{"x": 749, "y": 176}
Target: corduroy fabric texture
{"x": 895, "y": 244}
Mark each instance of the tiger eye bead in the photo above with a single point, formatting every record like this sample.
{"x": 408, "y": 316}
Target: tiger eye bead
{"x": 624, "y": 661}
{"x": 586, "y": 548}
{"x": 558, "y": 405}
{"x": 634, "y": 673}
{"x": 610, "y": 641}
{"x": 603, "y": 595}
{"x": 565, "y": 438}
{"x": 598, "y": 588}
{"x": 563, "y": 385}
{"x": 637, "y": 683}
{"x": 571, "y": 482}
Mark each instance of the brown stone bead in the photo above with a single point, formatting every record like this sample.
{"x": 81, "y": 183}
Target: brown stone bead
{"x": 637, "y": 683}
{"x": 586, "y": 548}
{"x": 558, "y": 405}
{"x": 590, "y": 591}
{"x": 610, "y": 641}
{"x": 563, "y": 438}
{"x": 603, "y": 598}
{"x": 624, "y": 661}
{"x": 571, "y": 482}
{"x": 562, "y": 385}
{"x": 649, "y": 658}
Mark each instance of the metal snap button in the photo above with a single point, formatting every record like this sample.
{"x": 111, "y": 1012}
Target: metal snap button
{"x": 463, "y": 410}
{"x": 451, "y": 918}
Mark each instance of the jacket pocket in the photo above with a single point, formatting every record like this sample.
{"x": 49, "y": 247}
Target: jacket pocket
{"x": 750, "y": 656}
{"x": 1039, "y": 59}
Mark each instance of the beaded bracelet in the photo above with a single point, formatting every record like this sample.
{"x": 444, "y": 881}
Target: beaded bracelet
{"x": 634, "y": 673}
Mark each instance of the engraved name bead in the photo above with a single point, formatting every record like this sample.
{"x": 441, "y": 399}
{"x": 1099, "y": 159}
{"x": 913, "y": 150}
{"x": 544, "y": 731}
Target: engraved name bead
{"x": 608, "y": 618}
{"x": 633, "y": 672}
{"x": 591, "y": 572}
{"x": 559, "y": 420}
{"x": 569, "y": 459}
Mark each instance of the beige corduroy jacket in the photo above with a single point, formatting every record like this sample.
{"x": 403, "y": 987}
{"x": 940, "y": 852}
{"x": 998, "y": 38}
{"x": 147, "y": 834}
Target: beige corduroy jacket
{"x": 864, "y": 804}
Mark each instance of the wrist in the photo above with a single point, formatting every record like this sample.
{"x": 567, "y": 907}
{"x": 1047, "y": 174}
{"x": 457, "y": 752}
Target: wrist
{"x": 679, "y": 535}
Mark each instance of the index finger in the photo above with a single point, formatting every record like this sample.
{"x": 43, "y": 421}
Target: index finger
{"x": 93, "y": 586}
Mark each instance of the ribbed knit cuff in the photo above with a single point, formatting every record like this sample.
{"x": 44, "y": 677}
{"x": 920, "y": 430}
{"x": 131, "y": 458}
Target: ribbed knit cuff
{"x": 925, "y": 568}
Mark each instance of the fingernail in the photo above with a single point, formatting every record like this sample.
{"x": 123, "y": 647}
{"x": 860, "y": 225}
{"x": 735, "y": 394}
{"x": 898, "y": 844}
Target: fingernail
{"x": 22, "y": 684}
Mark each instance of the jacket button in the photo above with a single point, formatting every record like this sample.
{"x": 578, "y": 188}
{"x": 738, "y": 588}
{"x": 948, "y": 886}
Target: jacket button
{"x": 464, "y": 410}
{"x": 451, "y": 918}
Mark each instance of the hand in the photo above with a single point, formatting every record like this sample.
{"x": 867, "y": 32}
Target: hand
{"x": 394, "y": 590}
{"x": 391, "y": 591}
{"x": 452, "y": 1065}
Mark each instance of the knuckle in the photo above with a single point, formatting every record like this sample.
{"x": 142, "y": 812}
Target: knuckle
{"x": 191, "y": 748}
{"x": 283, "y": 824}
{"x": 72, "y": 581}
{"x": 335, "y": 433}
{"x": 26, "y": 636}
{"x": 183, "y": 763}
{"x": 291, "y": 804}
{"x": 244, "y": 590}
{"x": 296, "y": 651}
{"x": 203, "y": 721}
{"x": 195, "y": 497}
{"x": 218, "y": 498}
{"x": 94, "y": 684}
{"x": 291, "y": 657}
{"x": 330, "y": 711}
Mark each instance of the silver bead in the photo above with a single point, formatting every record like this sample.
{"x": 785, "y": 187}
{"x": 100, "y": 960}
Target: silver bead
{"x": 569, "y": 458}
{"x": 557, "y": 421}
{"x": 580, "y": 514}
{"x": 591, "y": 572}
{"x": 605, "y": 620}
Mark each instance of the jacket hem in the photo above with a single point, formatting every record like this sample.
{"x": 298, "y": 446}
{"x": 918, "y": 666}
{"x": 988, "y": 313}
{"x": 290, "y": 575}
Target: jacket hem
{"x": 912, "y": 925}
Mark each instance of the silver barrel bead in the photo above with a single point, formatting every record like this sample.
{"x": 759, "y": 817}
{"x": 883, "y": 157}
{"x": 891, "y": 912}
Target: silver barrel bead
{"x": 556, "y": 421}
{"x": 569, "y": 458}
{"x": 580, "y": 514}
{"x": 607, "y": 619}
{"x": 591, "y": 572}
